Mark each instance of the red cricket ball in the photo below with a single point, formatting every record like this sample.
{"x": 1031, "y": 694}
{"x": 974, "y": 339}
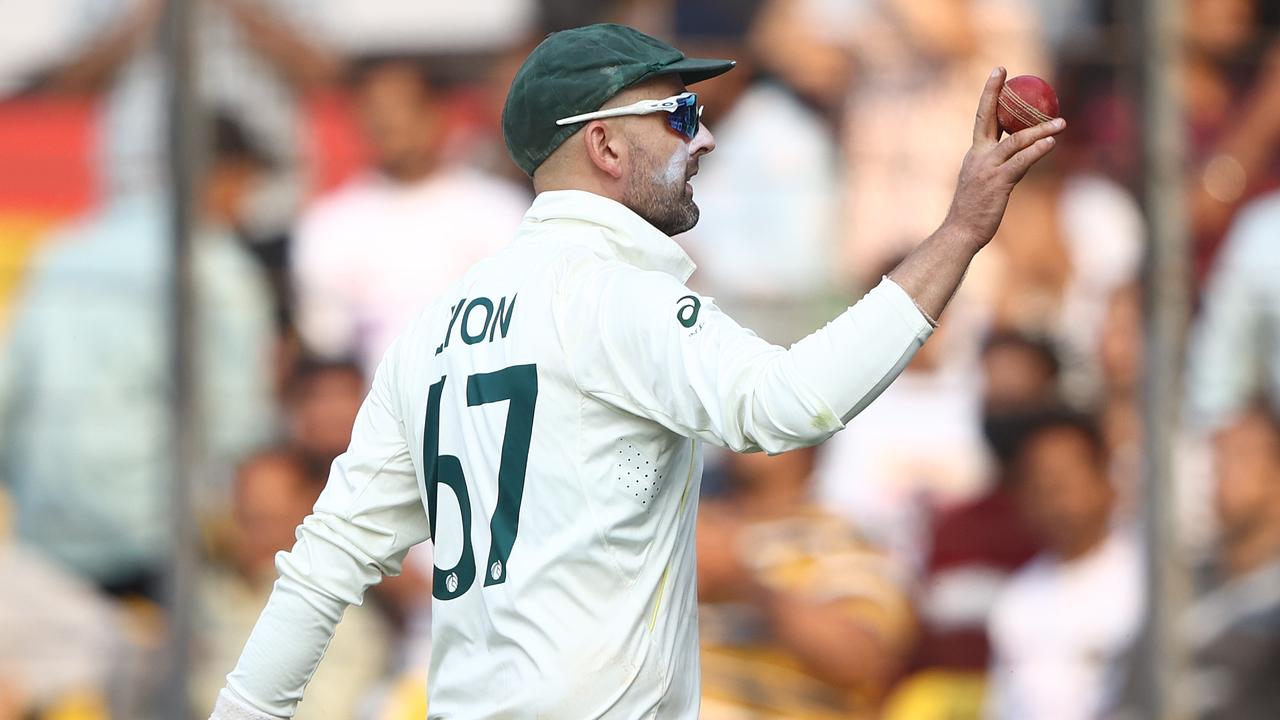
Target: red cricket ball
{"x": 1025, "y": 101}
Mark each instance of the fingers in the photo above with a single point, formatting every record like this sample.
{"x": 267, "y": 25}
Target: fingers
{"x": 986, "y": 129}
{"x": 1020, "y": 163}
{"x": 1022, "y": 139}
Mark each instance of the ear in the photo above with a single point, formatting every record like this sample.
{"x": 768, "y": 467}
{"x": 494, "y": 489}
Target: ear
{"x": 605, "y": 147}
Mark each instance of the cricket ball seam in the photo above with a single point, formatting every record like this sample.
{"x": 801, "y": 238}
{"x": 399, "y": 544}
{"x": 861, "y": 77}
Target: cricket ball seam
{"x": 1021, "y": 110}
{"x": 1015, "y": 114}
{"x": 1035, "y": 112}
{"x": 1019, "y": 118}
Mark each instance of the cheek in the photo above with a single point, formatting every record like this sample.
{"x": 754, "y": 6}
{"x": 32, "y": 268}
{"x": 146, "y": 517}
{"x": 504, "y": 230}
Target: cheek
{"x": 673, "y": 171}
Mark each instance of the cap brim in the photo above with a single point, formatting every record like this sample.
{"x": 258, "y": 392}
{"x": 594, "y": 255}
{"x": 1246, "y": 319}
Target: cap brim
{"x": 693, "y": 70}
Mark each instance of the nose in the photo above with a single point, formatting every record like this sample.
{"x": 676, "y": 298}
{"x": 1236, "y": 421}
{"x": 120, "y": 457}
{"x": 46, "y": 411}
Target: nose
{"x": 702, "y": 143}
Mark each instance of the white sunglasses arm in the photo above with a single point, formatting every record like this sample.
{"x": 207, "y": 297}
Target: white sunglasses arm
{"x": 643, "y": 107}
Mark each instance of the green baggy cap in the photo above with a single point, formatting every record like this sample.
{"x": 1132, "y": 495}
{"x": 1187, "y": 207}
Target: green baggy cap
{"x": 576, "y": 71}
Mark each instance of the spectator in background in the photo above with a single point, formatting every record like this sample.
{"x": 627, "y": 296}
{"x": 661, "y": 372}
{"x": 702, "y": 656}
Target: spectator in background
{"x": 1231, "y": 83}
{"x": 805, "y": 45}
{"x": 274, "y": 490}
{"x": 773, "y": 192}
{"x": 799, "y": 616}
{"x": 411, "y": 26}
{"x": 975, "y": 547}
{"x": 1233, "y": 628}
{"x": 370, "y": 255}
{"x": 1234, "y": 350}
{"x": 58, "y": 637}
{"x": 85, "y": 441}
{"x": 253, "y": 59}
{"x": 322, "y": 401}
{"x": 1061, "y": 627}
{"x": 1120, "y": 362}
{"x": 1230, "y": 74}
{"x": 31, "y": 41}
{"x": 1020, "y": 372}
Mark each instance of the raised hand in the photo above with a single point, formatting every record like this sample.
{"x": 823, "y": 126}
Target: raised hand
{"x": 992, "y": 167}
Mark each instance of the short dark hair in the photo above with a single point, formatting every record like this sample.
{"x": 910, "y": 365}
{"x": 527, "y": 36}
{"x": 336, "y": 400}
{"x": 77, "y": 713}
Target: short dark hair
{"x": 1040, "y": 345}
{"x": 310, "y": 473}
{"x": 230, "y": 141}
{"x": 366, "y": 66}
{"x": 1083, "y": 424}
{"x": 310, "y": 366}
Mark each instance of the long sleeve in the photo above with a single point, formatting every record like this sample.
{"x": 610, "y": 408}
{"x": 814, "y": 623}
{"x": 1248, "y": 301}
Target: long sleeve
{"x": 368, "y": 517}
{"x": 646, "y": 344}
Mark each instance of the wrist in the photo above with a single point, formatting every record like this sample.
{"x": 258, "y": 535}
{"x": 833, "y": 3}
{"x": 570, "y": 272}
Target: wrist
{"x": 230, "y": 706}
{"x": 959, "y": 235}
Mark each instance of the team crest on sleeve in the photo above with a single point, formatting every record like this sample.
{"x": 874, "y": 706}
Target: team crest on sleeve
{"x": 687, "y": 309}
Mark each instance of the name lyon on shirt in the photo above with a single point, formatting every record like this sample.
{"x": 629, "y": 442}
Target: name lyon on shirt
{"x": 482, "y": 321}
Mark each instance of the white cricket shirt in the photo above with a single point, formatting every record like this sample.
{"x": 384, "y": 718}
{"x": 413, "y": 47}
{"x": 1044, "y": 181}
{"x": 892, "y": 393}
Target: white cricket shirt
{"x": 545, "y": 417}
{"x": 1061, "y": 632}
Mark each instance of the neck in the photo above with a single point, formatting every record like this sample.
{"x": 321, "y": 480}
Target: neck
{"x": 1253, "y": 550}
{"x": 554, "y": 183}
{"x": 1083, "y": 543}
{"x": 411, "y": 170}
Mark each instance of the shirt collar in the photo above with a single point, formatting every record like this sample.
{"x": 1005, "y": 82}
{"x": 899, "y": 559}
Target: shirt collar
{"x": 628, "y": 236}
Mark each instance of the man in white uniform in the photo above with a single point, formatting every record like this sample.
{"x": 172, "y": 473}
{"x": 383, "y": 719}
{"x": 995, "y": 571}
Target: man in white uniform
{"x": 542, "y": 421}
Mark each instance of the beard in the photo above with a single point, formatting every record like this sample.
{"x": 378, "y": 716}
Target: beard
{"x": 658, "y": 198}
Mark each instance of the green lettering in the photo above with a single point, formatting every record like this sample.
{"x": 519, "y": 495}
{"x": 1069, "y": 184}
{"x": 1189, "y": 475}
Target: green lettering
{"x": 446, "y": 470}
{"x": 518, "y": 386}
{"x": 503, "y": 320}
{"x": 449, "y": 333}
{"x": 485, "y": 303}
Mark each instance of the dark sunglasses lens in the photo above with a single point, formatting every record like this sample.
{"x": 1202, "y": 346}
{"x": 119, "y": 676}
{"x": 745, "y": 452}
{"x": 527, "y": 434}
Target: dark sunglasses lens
{"x": 684, "y": 119}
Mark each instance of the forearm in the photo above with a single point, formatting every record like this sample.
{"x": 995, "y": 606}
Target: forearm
{"x": 285, "y": 648}
{"x": 829, "y": 643}
{"x": 97, "y": 65}
{"x": 305, "y": 63}
{"x": 368, "y": 516}
{"x": 330, "y": 567}
{"x": 932, "y": 273}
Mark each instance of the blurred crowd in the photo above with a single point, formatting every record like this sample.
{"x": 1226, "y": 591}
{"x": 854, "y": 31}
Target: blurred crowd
{"x": 969, "y": 547}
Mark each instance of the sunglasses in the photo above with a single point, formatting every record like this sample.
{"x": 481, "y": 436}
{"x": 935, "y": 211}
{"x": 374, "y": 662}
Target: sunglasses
{"x": 683, "y": 113}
